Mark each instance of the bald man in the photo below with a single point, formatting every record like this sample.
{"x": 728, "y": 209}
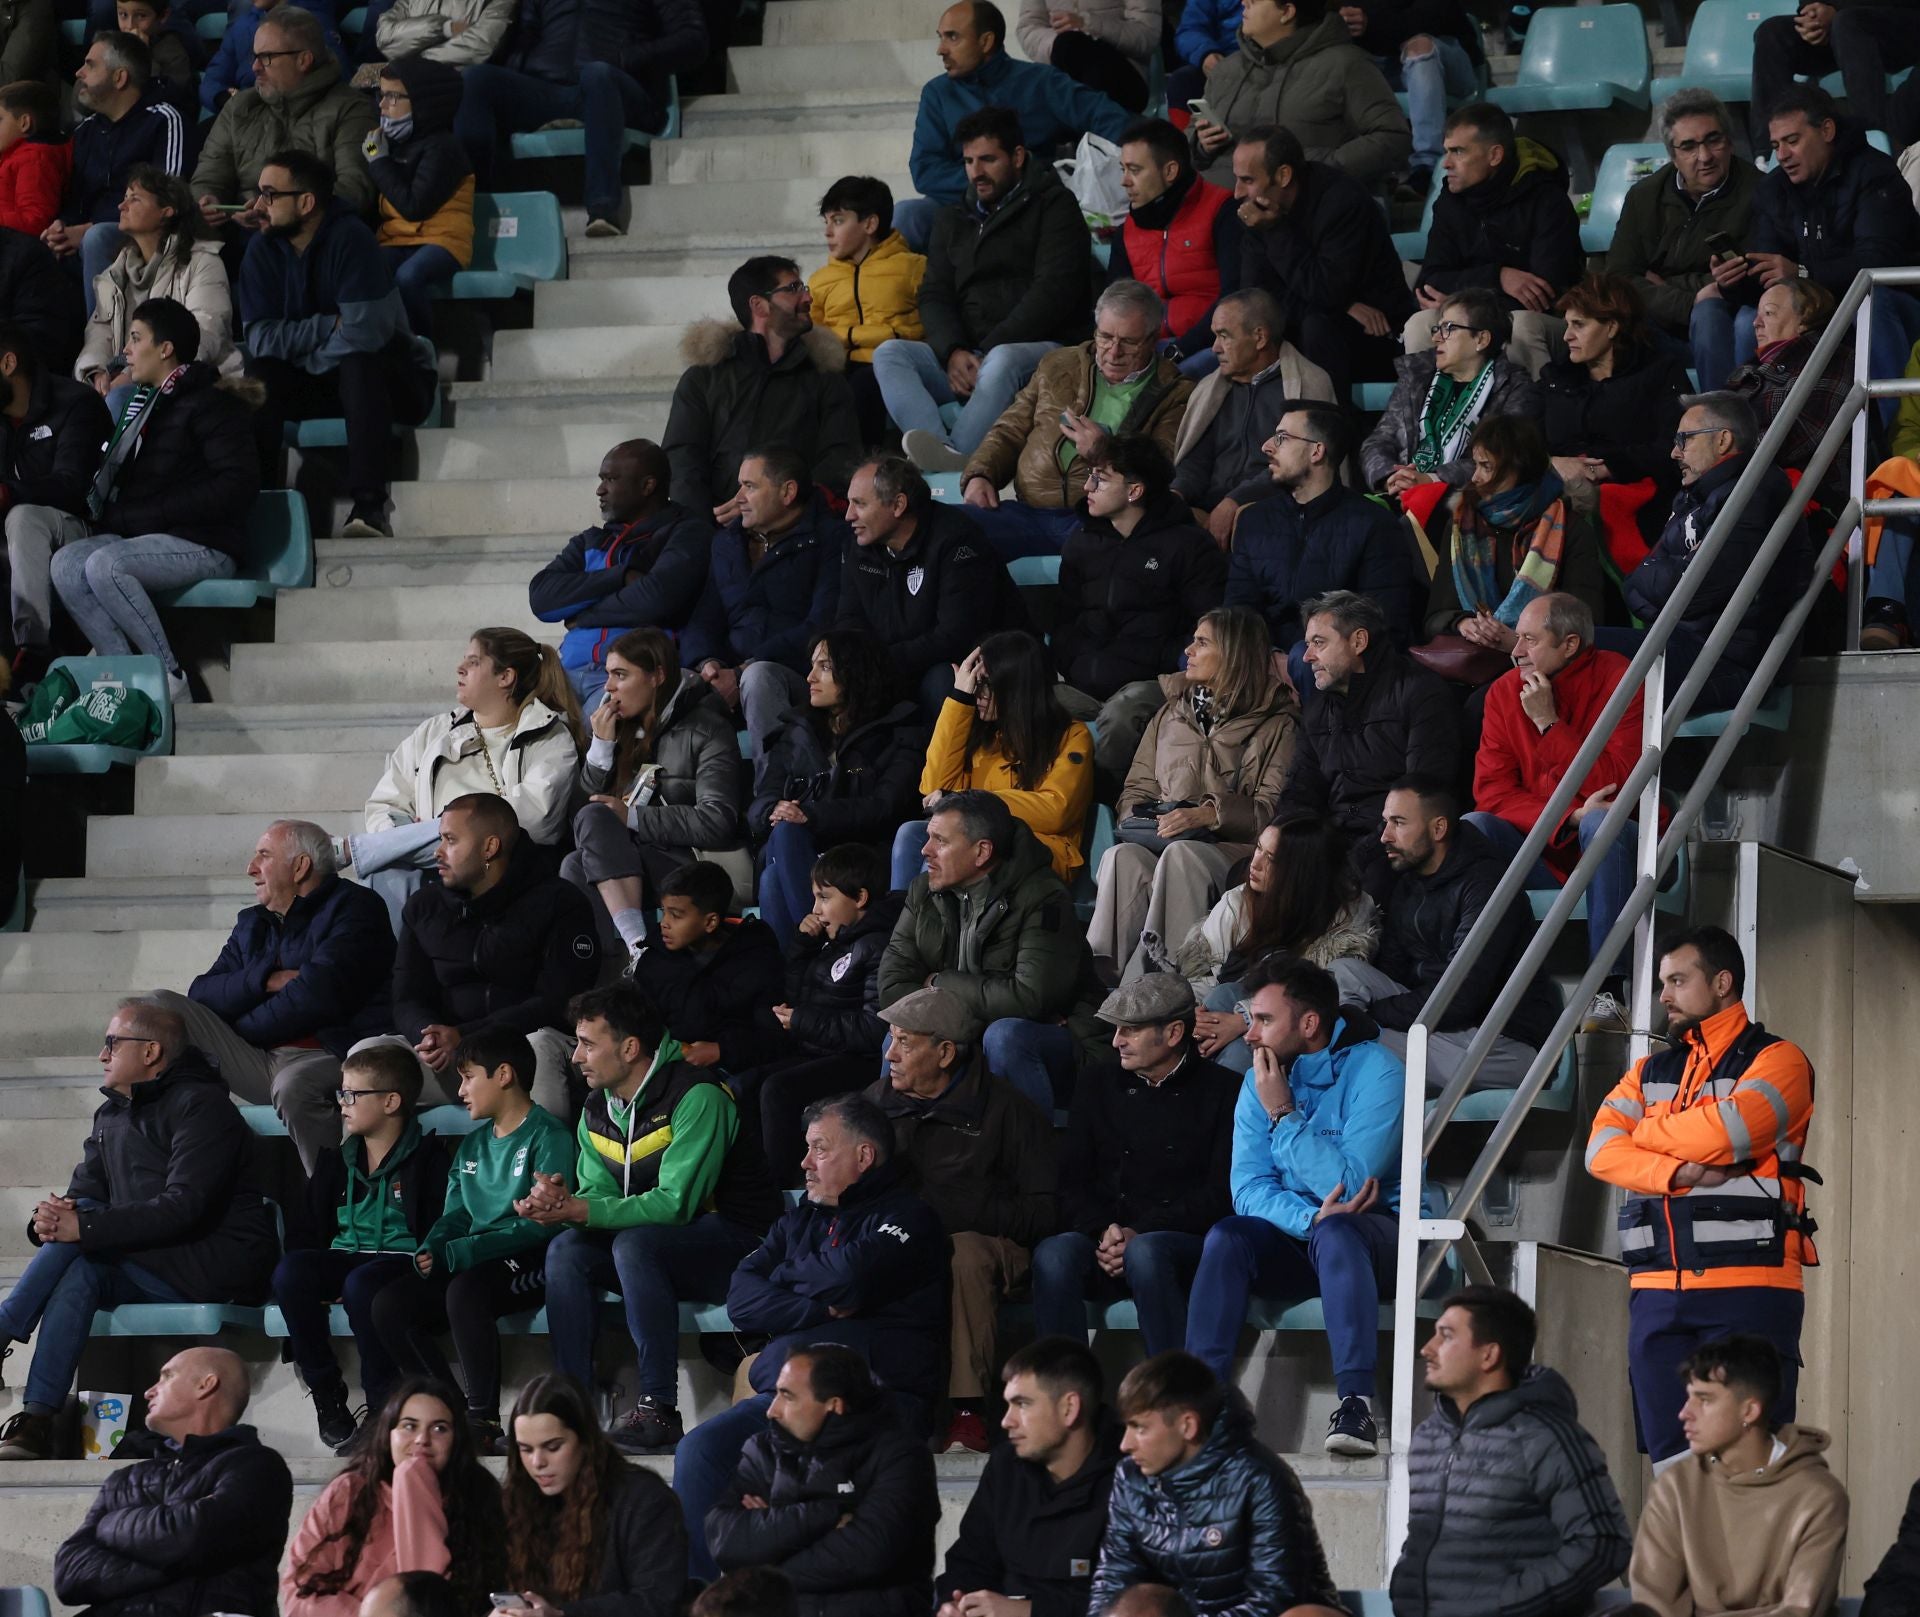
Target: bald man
{"x": 644, "y": 565}
{"x": 198, "y": 1528}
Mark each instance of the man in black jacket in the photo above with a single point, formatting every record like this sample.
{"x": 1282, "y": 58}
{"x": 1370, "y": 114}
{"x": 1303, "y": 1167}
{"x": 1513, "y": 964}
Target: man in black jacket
{"x": 773, "y": 378}
{"x": 38, "y": 299}
{"x": 604, "y": 62}
{"x": 1371, "y": 716}
{"x": 1221, "y": 458}
{"x": 1505, "y": 223}
{"x": 1007, "y": 281}
{"x": 836, "y": 1493}
{"x": 1444, "y": 873}
{"x": 1866, "y": 43}
{"x": 1032, "y": 1529}
{"x": 201, "y": 1526}
{"x": 157, "y": 1211}
{"x": 1143, "y": 1170}
{"x": 496, "y": 945}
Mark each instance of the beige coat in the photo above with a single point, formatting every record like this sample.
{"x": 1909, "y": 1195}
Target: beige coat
{"x": 1304, "y": 381}
{"x": 1240, "y": 767}
{"x": 1132, "y": 27}
{"x": 442, "y": 760}
{"x": 199, "y": 281}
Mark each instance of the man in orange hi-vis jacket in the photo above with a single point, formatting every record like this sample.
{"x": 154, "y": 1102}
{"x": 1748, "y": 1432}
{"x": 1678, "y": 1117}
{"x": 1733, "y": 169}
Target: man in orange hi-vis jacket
{"x": 1707, "y": 1137}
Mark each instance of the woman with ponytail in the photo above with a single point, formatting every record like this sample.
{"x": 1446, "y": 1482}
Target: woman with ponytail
{"x": 516, "y": 733}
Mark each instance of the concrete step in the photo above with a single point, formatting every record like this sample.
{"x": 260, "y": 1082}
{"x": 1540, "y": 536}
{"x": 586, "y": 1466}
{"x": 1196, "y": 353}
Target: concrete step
{"x": 285, "y": 785}
{"x": 639, "y": 300}
{"x": 65, "y": 1097}
{"x": 351, "y": 672}
{"x": 563, "y": 402}
{"x": 97, "y": 905}
{"x": 630, "y": 351}
{"x": 372, "y": 727}
{"x": 749, "y": 214}
{"x": 184, "y": 845}
{"x": 823, "y": 155}
{"x": 535, "y": 449}
{"x": 895, "y": 67}
{"x": 101, "y": 962}
{"x": 452, "y": 563}
{"x": 40, "y": 1023}
{"x": 854, "y": 107}
{"x": 555, "y": 506}
{"x": 376, "y": 613}
{"x": 716, "y": 253}
{"x": 848, "y": 22}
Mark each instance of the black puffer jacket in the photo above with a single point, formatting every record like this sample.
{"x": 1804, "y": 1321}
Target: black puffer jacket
{"x": 1518, "y": 217}
{"x": 41, "y": 298}
{"x": 1332, "y": 251}
{"x": 644, "y": 1568}
{"x": 195, "y": 1530}
{"x": 1232, "y": 1529}
{"x": 1128, "y": 605}
{"x": 171, "y": 1165}
{"x": 860, "y": 792}
{"x": 554, "y": 39}
{"x": 1628, "y": 420}
{"x": 509, "y": 959}
{"x": 49, "y": 456}
{"x": 1285, "y": 553}
{"x": 1513, "y": 1512}
{"x": 1858, "y": 215}
{"x": 196, "y": 471}
{"x": 833, "y": 984}
{"x": 864, "y": 1466}
{"x": 1894, "y": 1588}
{"x": 725, "y": 994}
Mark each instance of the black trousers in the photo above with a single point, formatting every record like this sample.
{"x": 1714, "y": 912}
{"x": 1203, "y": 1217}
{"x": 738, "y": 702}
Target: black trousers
{"x": 784, "y": 1090}
{"x": 409, "y": 1314}
{"x": 1340, "y": 346}
{"x": 371, "y": 391}
{"x": 1100, "y": 66}
{"x": 1865, "y": 45}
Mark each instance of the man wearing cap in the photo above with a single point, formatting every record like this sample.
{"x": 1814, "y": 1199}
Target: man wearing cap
{"x": 982, "y": 1156}
{"x": 1143, "y": 1170}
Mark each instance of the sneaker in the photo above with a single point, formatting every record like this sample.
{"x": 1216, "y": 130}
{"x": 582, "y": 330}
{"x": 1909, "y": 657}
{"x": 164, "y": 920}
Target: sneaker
{"x": 966, "y": 1431}
{"x": 600, "y": 227}
{"x": 1350, "y": 1430}
{"x": 27, "y": 1437}
{"x": 489, "y": 1437}
{"x": 930, "y": 452}
{"x": 1884, "y": 627}
{"x": 360, "y": 1420}
{"x": 366, "y": 521}
{"x": 1606, "y": 1015}
{"x": 179, "y": 692}
{"x": 1417, "y": 184}
{"x": 336, "y": 1421}
{"x": 648, "y": 1428}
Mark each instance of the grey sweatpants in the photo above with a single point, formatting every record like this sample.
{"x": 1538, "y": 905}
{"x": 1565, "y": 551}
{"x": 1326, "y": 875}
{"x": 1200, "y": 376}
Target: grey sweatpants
{"x": 1506, "y": 1063}
{"x": 34, "y": 533}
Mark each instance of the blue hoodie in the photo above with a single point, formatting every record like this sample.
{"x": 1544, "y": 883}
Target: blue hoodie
{"x": 289, "y": 301}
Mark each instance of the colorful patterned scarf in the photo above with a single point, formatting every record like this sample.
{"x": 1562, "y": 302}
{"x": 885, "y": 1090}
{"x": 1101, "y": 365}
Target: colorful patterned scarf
{"x": 1536, "y": 568}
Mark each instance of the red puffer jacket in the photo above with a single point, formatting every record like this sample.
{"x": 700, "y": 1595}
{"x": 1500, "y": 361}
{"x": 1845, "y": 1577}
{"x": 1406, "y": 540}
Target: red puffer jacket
{"x": 1179, "y": 262}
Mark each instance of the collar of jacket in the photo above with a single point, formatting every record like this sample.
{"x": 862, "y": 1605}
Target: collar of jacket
{"x": 1162, "y": 511}
{"x": 984, "y": 215}
{"x": 1158, "y": 214}
{"x": 1322, "y": 504}
{"x": 1712, "y": 481}
{"x": 992, "y": 73}
{"x": 353, "y": 1152}
{"x": 961, "y": 1104}
{"x": 192, "y": 1066}
{"x": 304, "y": 904}
{"x": 39, "y": 397}
{"x": 318, "y": 83}
{"x": 1319, "y": 1071}
{"x": 1362, "y": 683}
{"x": 752, "y": 347}
{"x": 1232, "y": 1432}
{"x": 519, "y": 875}
{"x": 1096, "y": 1471}
{"x": 533, "y": 718}
{"x": 1539, "y": 1386}
{"x": 199, "y": 1445}
{"x": 1711, "y": 1039}
{"x": 1324, "y": 35}
{"x": 1465, "y": 849}
{"x": 881, "y": 1180}
{"x": 838, "y": 1434}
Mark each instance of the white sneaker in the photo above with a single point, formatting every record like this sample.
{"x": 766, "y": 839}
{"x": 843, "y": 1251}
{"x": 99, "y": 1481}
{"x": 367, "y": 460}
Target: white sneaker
{"x": 1606, "y": 1015}
{"x": 179, "y": 692}
{"x": 930, "y": 452}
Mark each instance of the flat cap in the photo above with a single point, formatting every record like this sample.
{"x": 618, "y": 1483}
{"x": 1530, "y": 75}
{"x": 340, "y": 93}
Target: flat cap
{"x": 934, "y": 1012}
{"x": 1160, "y": 996}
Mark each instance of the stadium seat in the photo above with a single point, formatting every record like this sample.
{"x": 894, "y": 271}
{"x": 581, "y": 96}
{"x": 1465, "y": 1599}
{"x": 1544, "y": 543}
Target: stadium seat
{"x": 176, "y": 1319}
{"x": 212, "y": 28}
{"x": 1372, "y": 397}
{"x": 1774, "y": 713}
{"x": 92, "y": 758}
{"x": 330, "y": 432}
{"x": 1100, "y": 837}
{"x": 1669, "y": 900}
{"x": 74, "y": 31}
{"x": 1367, "y": 1602}
{"x": 1033, "y": 572}
{"x": 573, "y": 142}
{"x": 24, "y": 1600}
{"x": 279, "y": 557}
{"x": 945, "y": 486}
{"x": 1411, "y": 245}
{"x": 1720, "y": 49}
{"x": 1487, "y": 1105}
{"x": 448, "y": 1120}
{"x": 518, "y": 240}
{"x": 353, "y": 24}
{"x": 1578, "y": 59}
{"x": 1621, "y": 169}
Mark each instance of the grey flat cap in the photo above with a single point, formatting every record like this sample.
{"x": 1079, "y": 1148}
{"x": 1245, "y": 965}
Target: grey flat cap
{"x": 1160, "y": 996}
{"x": 934, "y": 1012}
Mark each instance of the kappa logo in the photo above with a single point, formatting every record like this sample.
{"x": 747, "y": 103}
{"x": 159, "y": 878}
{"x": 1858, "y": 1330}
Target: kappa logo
{"x": 841, "y": 966}
{"x": 916, "y": 576}
{"x": 896, "y": 1232}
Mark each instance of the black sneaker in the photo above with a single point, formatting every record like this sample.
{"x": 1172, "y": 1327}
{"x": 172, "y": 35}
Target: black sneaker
{"x": 1351, "y": 1432}
{"x": 27, "y": 1437}
{"x": 648, "y": 1428}
{"x": 366, "y": 521}
{"x": 1883, "y": 626}
{"x": 489, "y": 1437}
{"x": 335, "y": 1418}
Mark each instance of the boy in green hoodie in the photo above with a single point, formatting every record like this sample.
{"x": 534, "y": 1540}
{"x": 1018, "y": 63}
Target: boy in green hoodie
{"x": 481, "y": 1259}
{"x": 370, "y": 1202}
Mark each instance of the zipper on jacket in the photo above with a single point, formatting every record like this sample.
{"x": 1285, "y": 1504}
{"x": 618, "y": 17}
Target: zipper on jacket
{"x": 859, "y": 314}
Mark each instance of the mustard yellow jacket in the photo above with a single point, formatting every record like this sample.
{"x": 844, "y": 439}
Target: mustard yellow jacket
{"x": 865, "y": 304}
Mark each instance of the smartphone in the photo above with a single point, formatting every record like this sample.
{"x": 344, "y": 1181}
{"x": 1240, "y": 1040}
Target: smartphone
{"x": 1066, "y": 420}
{"x": 1720, "y": 245}
{"x": 233, "y": 207}
{"x": 509, "y": 1602}
{"x": 1199, "y": 108}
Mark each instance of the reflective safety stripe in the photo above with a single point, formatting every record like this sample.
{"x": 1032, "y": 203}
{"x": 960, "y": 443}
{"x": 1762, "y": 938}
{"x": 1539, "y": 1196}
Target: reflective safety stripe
{"x": 1708, "y": 1230}
{"x": 1739, "y": 1141}
{"x": 1654, "y": 1094}
{"x": 1759, "y": 1086}
{"x": 1626, "y": 1106}
{"x": 1787, "y": 1151}
{"x": 1600, "y": 1139}
{"x": 1637, "y": 1239}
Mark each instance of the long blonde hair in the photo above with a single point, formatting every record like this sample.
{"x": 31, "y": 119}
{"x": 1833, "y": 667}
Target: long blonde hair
{"x": 538, "y": 674}
{"x": 1246, "y": 679}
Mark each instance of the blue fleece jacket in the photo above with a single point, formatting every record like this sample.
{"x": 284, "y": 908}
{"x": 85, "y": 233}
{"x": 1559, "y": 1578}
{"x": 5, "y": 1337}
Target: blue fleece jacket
{"x": 1348, "y": 1100}
{"x": 1207, "y": 26}
{"x": 103, "y": 151}
{"x": 1054, "y": 111}
{"x": 290, "y": 302}
{"x": 232, "y": 65}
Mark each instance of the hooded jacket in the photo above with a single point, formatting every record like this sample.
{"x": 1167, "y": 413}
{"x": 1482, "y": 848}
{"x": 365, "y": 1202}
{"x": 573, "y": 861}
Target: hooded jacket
{"x": 44, "y": 300}
{"x": 1628, "y": 420}
{"x": 199, "y": 1529}
{"x": 588, "y": 587}
{"x": 169, "y": 1165}
{"x": 536, "y": 777}
{"x": 1858, "y": 215}
{"x": 768, "y": 611}
{"x": 860, "y": 791}
{"x": 1663, "y": 231}
{"x": 33, "y": 178}
{"x": 1232, "y": 1529}
{"x": 1127, "y": 605}
{"x": 1513, "y": 1513}
{"x": 980, "y": 1153}
{"x": 1238, "y": 767}
{"x": 863, "y": 1466}
{"x": 150, "y": 132}
{"x": 323, "y": 116}
{"x": 196, "y": 278}
{"x": 509, "y": 959}
{"x": 422, "y": 31}
{"x": 1758, "y": 1541}
{"x": 1396, "y": 436}
{"x": 425, "y": 180}
{"x": 696, "y": 764}
{"x": 881, "y": 1256}
{"x": 724, "y": 995}
{"x": 196, "y": 471}
{"x": 1054, "y": 808}
{"x": 49, "y": 457}
{"x": 731, "y": 399}
{"x": 1032, "y": 1538}
{"x": 1518, "y": 217}
{"x": 871, "y": 302}
{"x": 554, "y": 39}
{"x": 340, "y": 941}
{"x": 1018, "y": 272}
{"x": 1285, "y": 553}
{"x": 1324, "y": 88}
{"x": 833, "y": 984}
{"x": 387, "y": 1210}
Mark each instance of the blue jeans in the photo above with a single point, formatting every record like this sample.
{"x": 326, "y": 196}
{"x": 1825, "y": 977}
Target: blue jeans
{"x": 786, "y": 879}
{"x": 913, "y": 217}
{"x": 1159, "y": 1267}
{"x": 1665, "y": 1327}
{"x": 1429, "y": 80}
{"x": 1347, "y": 1261}
{"x": 1037, "y": 1058}
{"x": 59, "y": 1293}
{"x": 104, "y": 582}
{"x": 305, "y": 1285}
{"x": 654, "y": 1267}
{"x": 913, "y": 381}
{"x": 416, "y": 272}
{"x": 588, "y": 681}
{"x": 1198, "y": 366}
{"x": 908, "y": 861}
{"x": 1892, "y": 561}
{"x": 497, "y": 101}
{"x": 99, "y": 247}
{"x": 1721, "y": 335}
{"x": 1606, "y": 895}
{"x": 1015, "y": 530}
{"x": 1235, "y": 1057}
{"x": 703, "y": 1467}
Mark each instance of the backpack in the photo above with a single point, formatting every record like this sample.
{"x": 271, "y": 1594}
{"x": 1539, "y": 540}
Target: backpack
{"x": 110, "y": 714}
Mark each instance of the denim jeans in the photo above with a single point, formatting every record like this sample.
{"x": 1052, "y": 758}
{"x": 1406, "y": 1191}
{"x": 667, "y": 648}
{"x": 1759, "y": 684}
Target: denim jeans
{"x": 588, "y": 681}
{"x": 99, "y": 247}
{"x": 1892, "y": 561}
{"x": 767, "y": 690}
{"x": 104, "y": 582}
{"x": 417, "y": 271}
{"x": 913, "y": 217}
{"x": 703, "y": 1467}
{"x": 498, "y": 101}
{"x": 908, "y": 861}
{"x": 305, "y": 1285}
{"x": 786, "y": 879}
{"x": 60, "y": 1291}
{"x": 1345, "y": 1261}
{"x": 1429, "y": 80}
{"x": 1037, "y": 1058}
{"x": 913, "y": 381}
{"x": 1721, "y": 335}
{"x": 1159, "y": 1267}
{"x": 1611, "y": 885}
{"x": 1235, "y": 1057}
{"x": 1015, "y": 530}
{"x": 654, "y": 1268}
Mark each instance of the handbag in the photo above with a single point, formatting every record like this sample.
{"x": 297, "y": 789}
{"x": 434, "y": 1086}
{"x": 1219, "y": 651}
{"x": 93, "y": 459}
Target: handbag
{"x": 1456, "y": 658}
{"x": 1142, "y": 827}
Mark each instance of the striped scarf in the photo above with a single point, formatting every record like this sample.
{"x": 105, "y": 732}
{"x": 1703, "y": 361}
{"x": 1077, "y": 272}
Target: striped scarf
{"x": 125, "y": 442}
{"x": 1448, "y": 415}
{"x": 1479, "y": 526}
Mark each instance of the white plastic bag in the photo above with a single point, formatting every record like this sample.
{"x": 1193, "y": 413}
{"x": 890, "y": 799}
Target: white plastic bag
{"x": 1910, "y": 170}
{"x": 1092, "y": 174}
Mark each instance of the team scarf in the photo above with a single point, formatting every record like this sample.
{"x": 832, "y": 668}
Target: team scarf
{"x": 1478, "y": 527}
{"x": 1448, "y": 416}
{"x": 125, "y": 442}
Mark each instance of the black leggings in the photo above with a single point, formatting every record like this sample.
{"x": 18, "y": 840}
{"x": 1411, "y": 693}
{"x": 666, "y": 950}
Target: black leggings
{"x": 410, "y": 1313}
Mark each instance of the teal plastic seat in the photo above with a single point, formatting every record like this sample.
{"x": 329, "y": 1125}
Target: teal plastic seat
{"x": 573, "y": 142}
{"x": 1367, "y": 1602}
{"x": 212, "y": 27}
{"x": 1032, "y": 572}
{"x": 330, "y": 432}
{"x": 176, "y": 1319}
{"x": 1578, "y": 59}
{"x": 263, "y": 1122}
{"x": 1669, "y": 900}
{"x": 518, "y": 241}
{"x": 451, "y": 1121}
{"x": 24, "y": 1600}
{"x": 91, "y": 758}
{"x": 1720, "y": 48}
{"x": 1487, "y": 1105}
{"x": 279, "y": 557}
{"x": 1372, "y": 397}
{"x": 1411, "y": 245}
{"x": 1774, "y": 713}
{"x": 945, "y": 486}
{"x": 353, "y": 24}
{"x": 74, "y": 30}
{"x": 1101, "y": 835}
{"x": 1623, "y": 167}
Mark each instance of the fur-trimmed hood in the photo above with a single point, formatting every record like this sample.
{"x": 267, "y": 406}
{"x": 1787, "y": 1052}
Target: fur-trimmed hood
{"x": 712, "y": 342}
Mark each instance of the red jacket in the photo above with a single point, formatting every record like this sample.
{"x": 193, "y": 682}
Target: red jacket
{"x": 1180, "y": 262}
{"x": 33, "y": 174}
{"x": 1518, "y": 766}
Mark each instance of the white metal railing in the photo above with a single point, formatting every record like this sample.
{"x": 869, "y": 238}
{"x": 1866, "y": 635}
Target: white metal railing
{"x": 1416, "y": 1269}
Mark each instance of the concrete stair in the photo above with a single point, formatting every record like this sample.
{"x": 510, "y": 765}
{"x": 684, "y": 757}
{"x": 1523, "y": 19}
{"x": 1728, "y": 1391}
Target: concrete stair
{"x": 568, "y": 449}
{"x": 285, "y": 786}
{"x": 418, "y": 671}
{"x": 640, "y": 300}
{"x": 382, "y": 614}
{"x": 815, "y": 154}
{"x": 187, "y": 845}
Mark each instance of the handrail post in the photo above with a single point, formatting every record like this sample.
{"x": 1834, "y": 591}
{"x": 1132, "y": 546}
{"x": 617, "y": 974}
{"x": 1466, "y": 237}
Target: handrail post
{"x": 1406, "y": 1268}
{"x": 1646, "y": 862}
{"x": 1857, "y": 475}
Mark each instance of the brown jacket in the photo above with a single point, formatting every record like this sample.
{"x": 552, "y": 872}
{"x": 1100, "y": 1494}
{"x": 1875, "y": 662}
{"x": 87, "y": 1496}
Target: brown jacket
{"x": 1764, "y": 1543}
{"x": 1241, "y": 766}
{"x": 1024, "y": 443}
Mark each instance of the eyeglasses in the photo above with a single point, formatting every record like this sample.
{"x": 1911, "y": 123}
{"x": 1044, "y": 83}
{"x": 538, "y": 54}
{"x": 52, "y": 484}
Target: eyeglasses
{"x": 114, "y": 1040}
{"x": 1715, "y": 142}
{"x": 1106, "y": 339}
{"x": 267, "y": 194}
{"x": 392, "y": 98}
{"x": 268, "y": 56}
{"x": 1453, "y": 328}
{"x": 1285, "y": 437}
{"x": 791, "y": 286}
{"x": 1680, "y": 438}
{"x": 346, "y": 1097}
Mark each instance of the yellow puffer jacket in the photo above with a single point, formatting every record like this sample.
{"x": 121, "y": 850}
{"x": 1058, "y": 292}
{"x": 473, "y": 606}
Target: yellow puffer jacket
{"x": 865, "y": 304}
{"x": 1055, "y": 810}
{"x": 450, "y": 225}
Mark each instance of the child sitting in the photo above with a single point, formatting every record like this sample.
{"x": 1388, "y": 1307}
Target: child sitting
{"x": 480, "y": 1260}
{"x": 35, "y": 157}
{"x": 869, "y": 288}
{"x": 370, "y": 1202}
{"x": 173, "y": 80}
{"x": 425, "y": 181}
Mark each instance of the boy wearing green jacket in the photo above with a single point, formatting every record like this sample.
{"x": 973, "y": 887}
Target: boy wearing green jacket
{"x": 481, "y": 1259}
{"x": 673, "y": 1193}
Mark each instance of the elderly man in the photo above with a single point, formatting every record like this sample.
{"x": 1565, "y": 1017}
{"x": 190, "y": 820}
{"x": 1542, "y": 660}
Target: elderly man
{"x": 1077, "y": 399}
{"x": 200, "y": 1526}
{"x": 156, "y": 1212}
{"x": 305, "y": 974}
{"x": 982, "y": 1155}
